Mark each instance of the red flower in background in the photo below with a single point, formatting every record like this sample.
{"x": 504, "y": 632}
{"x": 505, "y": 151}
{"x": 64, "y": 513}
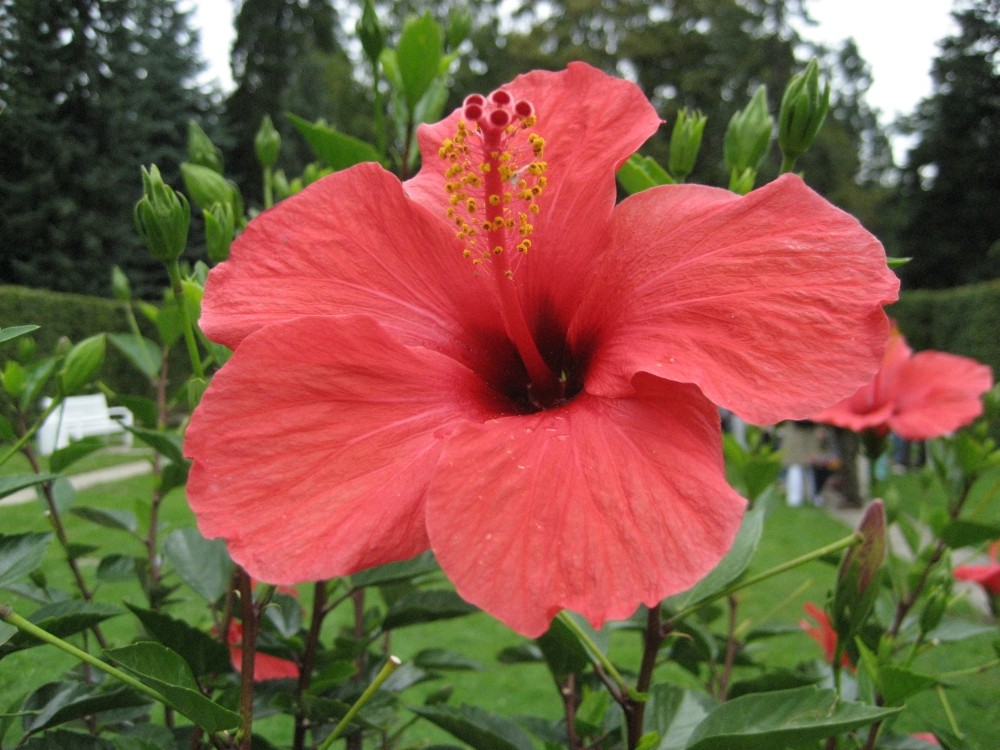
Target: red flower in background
{"x": 987, "y": 576}
{"x": 540, "y": 412}
{"x": 265, "y": 666}
{"x": 823, "y": 633}
{"x": 917, "y": 396}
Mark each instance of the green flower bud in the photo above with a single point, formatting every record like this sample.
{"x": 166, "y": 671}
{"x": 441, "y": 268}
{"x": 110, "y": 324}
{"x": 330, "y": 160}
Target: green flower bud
{"x": 120, "y": 286}
{"x": 82, "y": 364}
{"x": 220, "y": 226}
{"x": 207, "y": 187}
{"x": 748, "y": 135}
{"x": 742, "y": 182}
{"x": 685, "y": 142}
{"x": 934, "y": 609}
{"x": 279, "y": 182}
{"x": 459, "y": 26}
{"x": 267, "y": 143}
{"x": 803, "y": 110}
{"x": 860, "y": 575}
{"x": 313, "y": 171}
{"x": 201, "y": 150}
{"x": 370, "y": 32}
{"x": 162, "y": 217}
{"x": 13, "y": 378}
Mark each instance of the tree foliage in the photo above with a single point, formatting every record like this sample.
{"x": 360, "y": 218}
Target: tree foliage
{"x": 949, "y": 191}
{"x": 90, "y": 90}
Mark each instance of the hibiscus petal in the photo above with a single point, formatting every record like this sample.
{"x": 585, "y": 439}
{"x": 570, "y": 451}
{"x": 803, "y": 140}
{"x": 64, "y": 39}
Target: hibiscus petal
{"x": 936, "y": 393}
{"x": 352, "y": 243}
{"x": 594, "y": 507}
{"x": 771, "y": 303}
{"x": 591, "y": 123}
{"x": 855, "y": 414}
{"x": 314, "y": 445}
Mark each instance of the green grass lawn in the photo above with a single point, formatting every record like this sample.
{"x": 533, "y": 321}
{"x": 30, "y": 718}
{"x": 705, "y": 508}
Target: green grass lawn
{"x": 523, "y": 689}
{"x": 101, "y": 459}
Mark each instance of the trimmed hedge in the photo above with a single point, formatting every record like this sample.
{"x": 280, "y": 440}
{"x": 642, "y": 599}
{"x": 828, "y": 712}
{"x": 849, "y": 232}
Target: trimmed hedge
{"x": 76, "y": 317}
{"x": 962, "y": 320}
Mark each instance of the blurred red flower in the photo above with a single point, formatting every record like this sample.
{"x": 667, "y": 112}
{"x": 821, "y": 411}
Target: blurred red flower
{"x": 265, "y": 666}
{"x": 540, "y": 412}
{"x": 917, "y": 396}
{"x": 987, "y": 576}
{"x": 823, "y": 633}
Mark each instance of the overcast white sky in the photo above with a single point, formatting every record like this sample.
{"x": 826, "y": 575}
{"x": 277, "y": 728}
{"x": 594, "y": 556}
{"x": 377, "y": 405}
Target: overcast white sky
{"x": 898, "y": 38}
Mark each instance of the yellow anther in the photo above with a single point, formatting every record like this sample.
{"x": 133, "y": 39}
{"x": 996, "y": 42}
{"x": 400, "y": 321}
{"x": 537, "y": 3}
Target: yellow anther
{"x": 524, "y": 245}
{"x": 466, "y": 253}
{"x": 508, "y": 274}
{"x": 470, "y": 205}
{"x": 497, "y": 250}
{"x": 534, "y": 208}
{"x": 498, "y": 223}
{"x": 484, "y": 167}
{"x": 494, "y": 200}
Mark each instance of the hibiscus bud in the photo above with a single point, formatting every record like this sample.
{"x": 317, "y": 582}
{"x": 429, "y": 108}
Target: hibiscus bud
{"x": 370, "y": 32}
{"x": 267, "y": 143}
{"x": 933, "y": 610}
{"x": 860, "y": 575}
{"x": 220, "y": 225}
{"x": 207, "y": 187}
{"x": 685, "y": 142}
{"x": 803, "y": 110}
{"x": 82, "y": 364}
{"x": 13, "y": 379}
{"x": 201, "y": 150}
{"x": 748, "y": 135}
{"x": 742, "y": 182}
{"x": 459, "y": 26}
{"x": 312, "y": 172}
{"x": 120, "y": 286}
{"x": 162, "y": 217}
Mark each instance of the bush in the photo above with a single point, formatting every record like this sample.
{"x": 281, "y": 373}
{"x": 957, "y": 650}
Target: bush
{"x": 962, "y": 320}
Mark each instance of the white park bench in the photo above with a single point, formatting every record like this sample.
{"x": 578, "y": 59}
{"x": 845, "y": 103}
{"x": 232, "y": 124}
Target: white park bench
{"x": 79, "y": 417}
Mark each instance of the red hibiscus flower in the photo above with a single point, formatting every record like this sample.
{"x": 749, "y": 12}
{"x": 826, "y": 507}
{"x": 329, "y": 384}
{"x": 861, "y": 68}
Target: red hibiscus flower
{"x": 917, "y": 396}
{"x": 265, "y": 666}
{"x": 823, "y": 633}
{"x": 534, "y": 398}
{"x": 987, "y": 576}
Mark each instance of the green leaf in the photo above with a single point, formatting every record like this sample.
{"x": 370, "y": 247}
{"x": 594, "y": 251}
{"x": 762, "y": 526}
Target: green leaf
{"x": 477, "y": 728}
{"x": 204, "y": 654}
{"x": 58, "y": 702}
{"x": 202, "y": 564}
{"x": 14, "y": 482}
{"x": 108, "y": 518}
{"x": 394, "y": 572}
{"x": 897, "y": 684}
{"x": 641, "y": 173}
{"x": 673, "y": 713}
{"x": 82, "y": 364}
{"x": 20, "y": 554}
{"x": 419, "y": 55}
{"x": 6, "y": 633}
{"x": 426, "y": 606}
{"x": 116, "y": 568}
{"x": 61, "y": 619}
{"x": 440, "y": 658}
{"x": 167, "y": 672}
{"x": 12, "y": 332}
{"x": 144, "y": 355}
{"x": 564, "y": 653}
{"x": 962, "y": 533}
{"x": 730, "y": 567}
{"x": 337, "y": 149}
{"x": 63, "y": 458}
{"x": 780, "y": 719}
{"x": 166, "y": 443}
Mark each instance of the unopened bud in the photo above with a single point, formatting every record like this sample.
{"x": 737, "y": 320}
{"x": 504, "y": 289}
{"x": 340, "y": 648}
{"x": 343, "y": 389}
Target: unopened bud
{"x": 685, "y": 142}
{"x": 803, "y": 110}
{"x": 267, "y": 143}
{"x": 120, "y": 286}
{"x": 748, "y": 135}
{"x": 220, "y": 225}
{"x": 459, "y": 26}
{"x": 201, "y": 150}
{"x": 860, "y": 575}
{"x": 742, "y": 182}
{"x": 370, "y": 32}
{"x": 162, "y": 217}
{"x": 207, "y": 187}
